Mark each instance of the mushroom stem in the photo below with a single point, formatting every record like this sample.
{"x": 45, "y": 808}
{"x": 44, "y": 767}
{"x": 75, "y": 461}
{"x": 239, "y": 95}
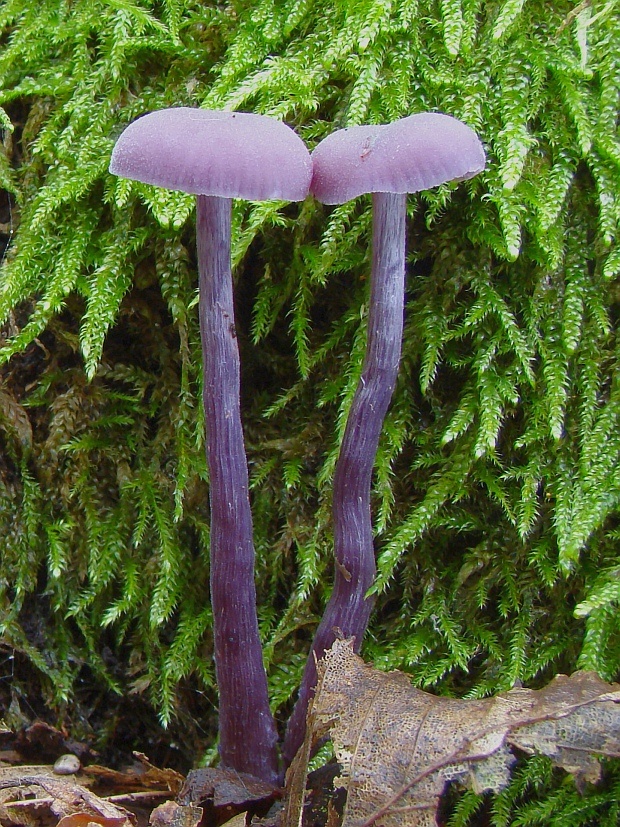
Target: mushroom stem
{"x": 348, "y": 609}
{"x": 247, "y": 737}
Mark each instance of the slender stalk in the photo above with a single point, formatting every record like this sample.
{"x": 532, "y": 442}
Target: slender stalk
{"x": 248, "y": 736}
{"x": 348, "y": 609}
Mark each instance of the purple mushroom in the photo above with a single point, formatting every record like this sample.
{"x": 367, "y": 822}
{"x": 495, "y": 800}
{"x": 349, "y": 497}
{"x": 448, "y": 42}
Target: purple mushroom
{"x": 219, "y": 156}
{"x": 409, "y": 155}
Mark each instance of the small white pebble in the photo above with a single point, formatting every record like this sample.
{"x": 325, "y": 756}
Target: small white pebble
{"x": 67, "y": 765}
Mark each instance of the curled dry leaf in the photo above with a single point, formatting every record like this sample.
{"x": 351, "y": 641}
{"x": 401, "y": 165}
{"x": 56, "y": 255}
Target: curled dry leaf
{"x": 398, "y": 746}
{"x": 73, "y": 804}
{"x": 142, "y": 776}
{"x": 224, "y": 793}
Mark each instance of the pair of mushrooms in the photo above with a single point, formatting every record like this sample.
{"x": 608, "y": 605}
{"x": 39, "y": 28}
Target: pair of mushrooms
{"x": 219, "y": 156}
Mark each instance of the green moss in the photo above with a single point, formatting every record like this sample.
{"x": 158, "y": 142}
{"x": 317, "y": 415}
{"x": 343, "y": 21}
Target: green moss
{"x": 498, "y": 478}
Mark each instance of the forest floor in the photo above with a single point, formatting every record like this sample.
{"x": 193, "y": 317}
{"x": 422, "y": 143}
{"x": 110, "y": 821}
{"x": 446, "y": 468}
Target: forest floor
{"x": 48, "y": 779}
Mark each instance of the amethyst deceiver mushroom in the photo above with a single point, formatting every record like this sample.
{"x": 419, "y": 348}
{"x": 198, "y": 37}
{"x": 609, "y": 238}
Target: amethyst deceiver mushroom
{"x": 219, "y": 156}
{"x": 389, "y": 161}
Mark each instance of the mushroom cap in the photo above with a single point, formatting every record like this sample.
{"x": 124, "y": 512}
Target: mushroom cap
{"x": 408, "y": 155}
{"x": 229, "y": 154}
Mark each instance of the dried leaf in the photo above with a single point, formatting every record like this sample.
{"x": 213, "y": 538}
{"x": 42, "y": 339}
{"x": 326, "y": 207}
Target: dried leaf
{"x": 12, "y": 776}
{"x": 296, "y": 777}
{"x": 144, "y": 776}
{"x": 71, "y": 799}
{"x": 398, "y": 746}
{"x": 84, "y": 819}
{"x": 40, "y": 740}
{"x": 228, "y": 792}
{"x": 316, "y": 796}
{"x": 171, "y": 814}
{"x": 236, "y": 821}
{"x": 225, "y": 787}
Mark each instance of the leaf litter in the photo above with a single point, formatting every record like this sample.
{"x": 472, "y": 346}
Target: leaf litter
{"x": 398, "y": 747}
